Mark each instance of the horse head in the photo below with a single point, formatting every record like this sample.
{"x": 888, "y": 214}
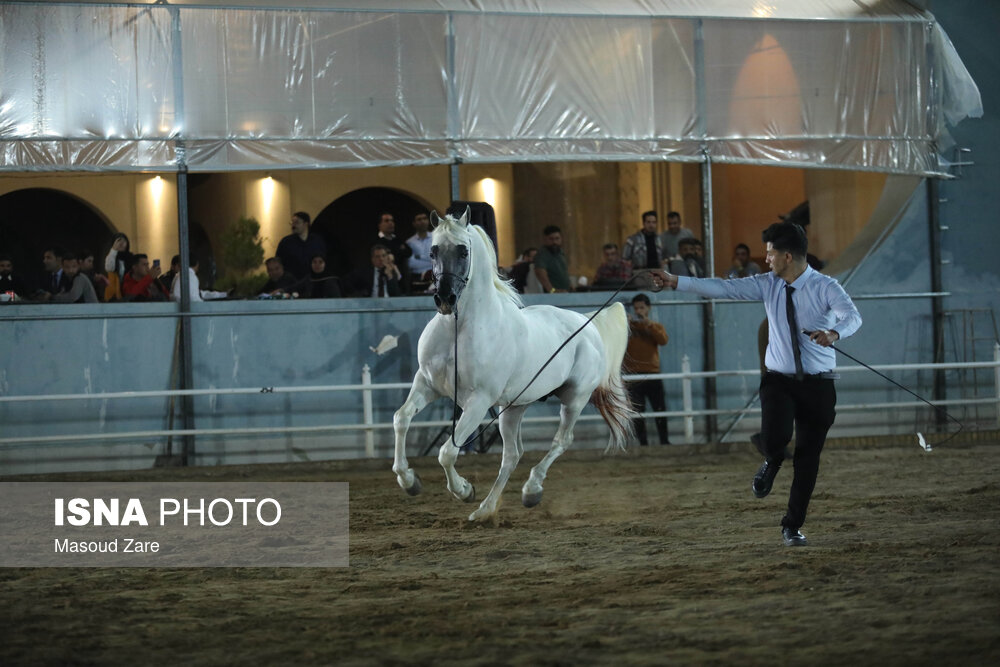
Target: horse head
{"x": 451, "y": 259}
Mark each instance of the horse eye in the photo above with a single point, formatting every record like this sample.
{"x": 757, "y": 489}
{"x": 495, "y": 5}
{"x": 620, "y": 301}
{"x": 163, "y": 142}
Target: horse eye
{"x": 434, "y": 252}
{"x": 463, "y": 251}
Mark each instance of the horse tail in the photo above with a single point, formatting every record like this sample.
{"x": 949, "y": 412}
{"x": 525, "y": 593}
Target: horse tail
{"x": 610, "y": 398}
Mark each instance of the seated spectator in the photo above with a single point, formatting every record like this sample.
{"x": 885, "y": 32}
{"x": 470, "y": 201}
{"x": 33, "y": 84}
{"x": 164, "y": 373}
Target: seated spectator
{"x": 379, "y": 279}
{"x": 399, "y": 251}
{"x": 321, "y": 284}
{"x": 167, "y": 279}
{"x": 52, "y": 280}
{"x": 551, "y": 265}
{"x": 614, "y": 272}
{"x": 141, "y": 282}
{"x": 743, "y": 266}
{"x": 98, "y": 280}
{"x": 297, "y": 249}
{"x": 521, "y": 269}
{"x": 687, "y": 264}
{"x": 117, "y": 264}
{"x": 278, "y": 282}
{"x": 10, "y": 282}
{"x": 419, "y": 264}
{"x": 77, "y": 287}
{"x": 197, "y": 294}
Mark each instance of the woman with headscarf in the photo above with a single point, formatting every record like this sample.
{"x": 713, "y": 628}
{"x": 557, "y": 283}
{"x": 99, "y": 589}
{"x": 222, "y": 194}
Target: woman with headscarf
{"x": 320, "y": 283}
{"x": 117, "y": 264}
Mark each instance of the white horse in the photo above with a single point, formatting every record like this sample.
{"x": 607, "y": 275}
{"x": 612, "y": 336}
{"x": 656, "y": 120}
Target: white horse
{"x": 501, "y": 346}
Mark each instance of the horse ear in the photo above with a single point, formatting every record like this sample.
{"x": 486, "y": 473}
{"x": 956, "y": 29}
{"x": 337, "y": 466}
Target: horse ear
{"x": 467, "y": 216}
{"x": 435, "y": 218}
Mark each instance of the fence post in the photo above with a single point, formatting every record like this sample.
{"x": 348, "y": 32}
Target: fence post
{"x": 996, "y": 377}
{"x": 366, "y": 401}
{"x": 688, "y": 403}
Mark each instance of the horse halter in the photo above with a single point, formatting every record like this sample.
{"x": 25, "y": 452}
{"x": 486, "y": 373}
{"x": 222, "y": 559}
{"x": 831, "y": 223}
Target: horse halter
{"x": 453, "y": 282}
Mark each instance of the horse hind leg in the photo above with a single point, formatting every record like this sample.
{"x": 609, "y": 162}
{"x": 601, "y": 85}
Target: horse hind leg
{"x": 420, "y": 395}
{"x": 531, "y": 492}
{"x": 510, "y": 431}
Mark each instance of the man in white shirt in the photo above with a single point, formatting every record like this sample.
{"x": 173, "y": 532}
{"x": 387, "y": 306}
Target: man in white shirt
{"x": 806, "y": 313}
{"x": 197, "y": 294}
{"x": 419, "y": 265}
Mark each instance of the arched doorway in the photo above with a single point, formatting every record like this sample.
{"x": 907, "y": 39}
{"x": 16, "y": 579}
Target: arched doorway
{"x": 35, "y": 218}
{"x": 349, "y": 224}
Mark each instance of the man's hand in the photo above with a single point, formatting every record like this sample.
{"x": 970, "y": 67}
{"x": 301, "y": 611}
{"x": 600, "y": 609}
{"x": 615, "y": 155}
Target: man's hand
{"x": 663, "y": 279}
{"x": 824, "y": 338}
{"x": 155, "y": 271}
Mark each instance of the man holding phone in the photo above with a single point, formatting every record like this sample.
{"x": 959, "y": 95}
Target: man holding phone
{"x": 141, "y": 282}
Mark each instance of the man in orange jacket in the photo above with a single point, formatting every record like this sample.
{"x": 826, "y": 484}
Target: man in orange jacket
{"x": 643, "y": 356}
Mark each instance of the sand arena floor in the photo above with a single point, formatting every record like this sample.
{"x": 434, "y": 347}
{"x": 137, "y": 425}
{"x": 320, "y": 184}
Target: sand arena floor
{"x": 654, "y": 556}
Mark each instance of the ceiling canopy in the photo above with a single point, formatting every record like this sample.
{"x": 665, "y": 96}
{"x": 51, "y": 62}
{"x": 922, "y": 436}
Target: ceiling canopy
{"x": 216, "y": 86}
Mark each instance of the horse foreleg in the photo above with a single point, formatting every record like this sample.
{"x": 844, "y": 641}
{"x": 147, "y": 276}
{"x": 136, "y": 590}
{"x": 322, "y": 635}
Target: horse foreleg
{"x": 531, "y": 492}
{"x": 420, "y": 395}
{"x": 510, "y": 431}
{"x": 472, "y": 414}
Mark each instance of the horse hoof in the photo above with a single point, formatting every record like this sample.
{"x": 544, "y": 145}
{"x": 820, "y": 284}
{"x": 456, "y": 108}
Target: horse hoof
{"x": 531, "y": 499}
{"x": 416, "y": 488}
{"x": 472, "y": 495}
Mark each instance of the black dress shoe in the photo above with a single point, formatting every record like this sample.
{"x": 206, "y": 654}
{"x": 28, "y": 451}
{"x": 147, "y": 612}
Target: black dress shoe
{"x": 793, "y": 538}
{"x": 764, "y": 478}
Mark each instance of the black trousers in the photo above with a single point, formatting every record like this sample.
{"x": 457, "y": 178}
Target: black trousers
{"x": 808, "y": 404}
{"x": 641, "y": 391}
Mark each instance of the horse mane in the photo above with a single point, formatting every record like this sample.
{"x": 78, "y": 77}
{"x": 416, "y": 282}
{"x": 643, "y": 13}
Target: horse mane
{"x": 481, "y": 251}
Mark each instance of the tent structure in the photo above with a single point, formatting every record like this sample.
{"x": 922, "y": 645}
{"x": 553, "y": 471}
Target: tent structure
{"x": 249, "y": 84}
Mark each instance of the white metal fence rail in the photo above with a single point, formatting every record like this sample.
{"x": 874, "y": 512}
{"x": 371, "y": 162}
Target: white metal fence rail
{"x": 369, "y": 426}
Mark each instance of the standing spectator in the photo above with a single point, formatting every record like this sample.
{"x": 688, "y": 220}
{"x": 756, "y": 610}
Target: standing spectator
{"x": 687, "y": 264}
{"x": 420, "y": 261}
{"x": 298, "y": 248}
{"x": 519, "y": 271}
{"x": 197, "y": 294}
{"x": 398, "y": 249}
{"x": 643, "y": 356}
{"x": 117, "y": 264}
{"x": 167, "y": 279}
{"x": 77, "y": 287}
{"x": 614, "y": 272}
{"x": 321, "y": 284}
{"x": 644, "y": 249}
{"x": 278, "y": 280}
{"x": 743, "y": 266}
{"x": 8, "y": 281}
{"x": 379, "y": 279}
{"x": 141, "y": 282}
{"x": 671, "y": 238}
{"x": 551, "y": 266}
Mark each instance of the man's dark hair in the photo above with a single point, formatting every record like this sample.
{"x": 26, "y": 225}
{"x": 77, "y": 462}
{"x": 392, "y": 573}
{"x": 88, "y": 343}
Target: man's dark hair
{"x": 4, "y": 257}
{"x": 83, "y": 253}
{"x": 674, "y": 214}
{"x": 66, "y": 255}
{"x": 640, "y": 298}
{"x": 175, "y": 261}
{"x": 688, "y": 241}
{"x": 303, "y": 216}
{"x": 787, "y": 237}
{"x": 529, "y": 249}
{"x": 274, "y": 260}
{"x": 695, "y": 242}
{"x": 192, "y": 260}
{"x": 56, "y": 251}
{"x": 378, "y": 246}
{"x": 384, "y": 213}
{"x": 136, "y": 258}
{"x": 652, "y": 213}
{"x": 744, "y": 246}
{"x": 551, "y": 229}
{"x": 609, "y": 246}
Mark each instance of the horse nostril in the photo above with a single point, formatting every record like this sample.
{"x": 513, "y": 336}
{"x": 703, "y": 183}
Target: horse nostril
{"x": 451, "y": 299}
{"x": 437, "y": 300}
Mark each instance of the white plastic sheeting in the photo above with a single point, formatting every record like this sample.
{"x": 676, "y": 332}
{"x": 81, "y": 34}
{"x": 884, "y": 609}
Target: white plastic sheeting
{"x": 112, "y": 87}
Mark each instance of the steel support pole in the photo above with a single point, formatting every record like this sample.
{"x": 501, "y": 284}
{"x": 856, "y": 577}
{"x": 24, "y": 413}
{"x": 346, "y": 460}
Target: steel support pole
{"x": 937, "y": 305}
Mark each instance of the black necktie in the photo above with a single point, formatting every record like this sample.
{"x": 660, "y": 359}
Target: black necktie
{"x": 55, "y": 283}
{"x": 381, "y": 283}
{"x": 793, "y": 330}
